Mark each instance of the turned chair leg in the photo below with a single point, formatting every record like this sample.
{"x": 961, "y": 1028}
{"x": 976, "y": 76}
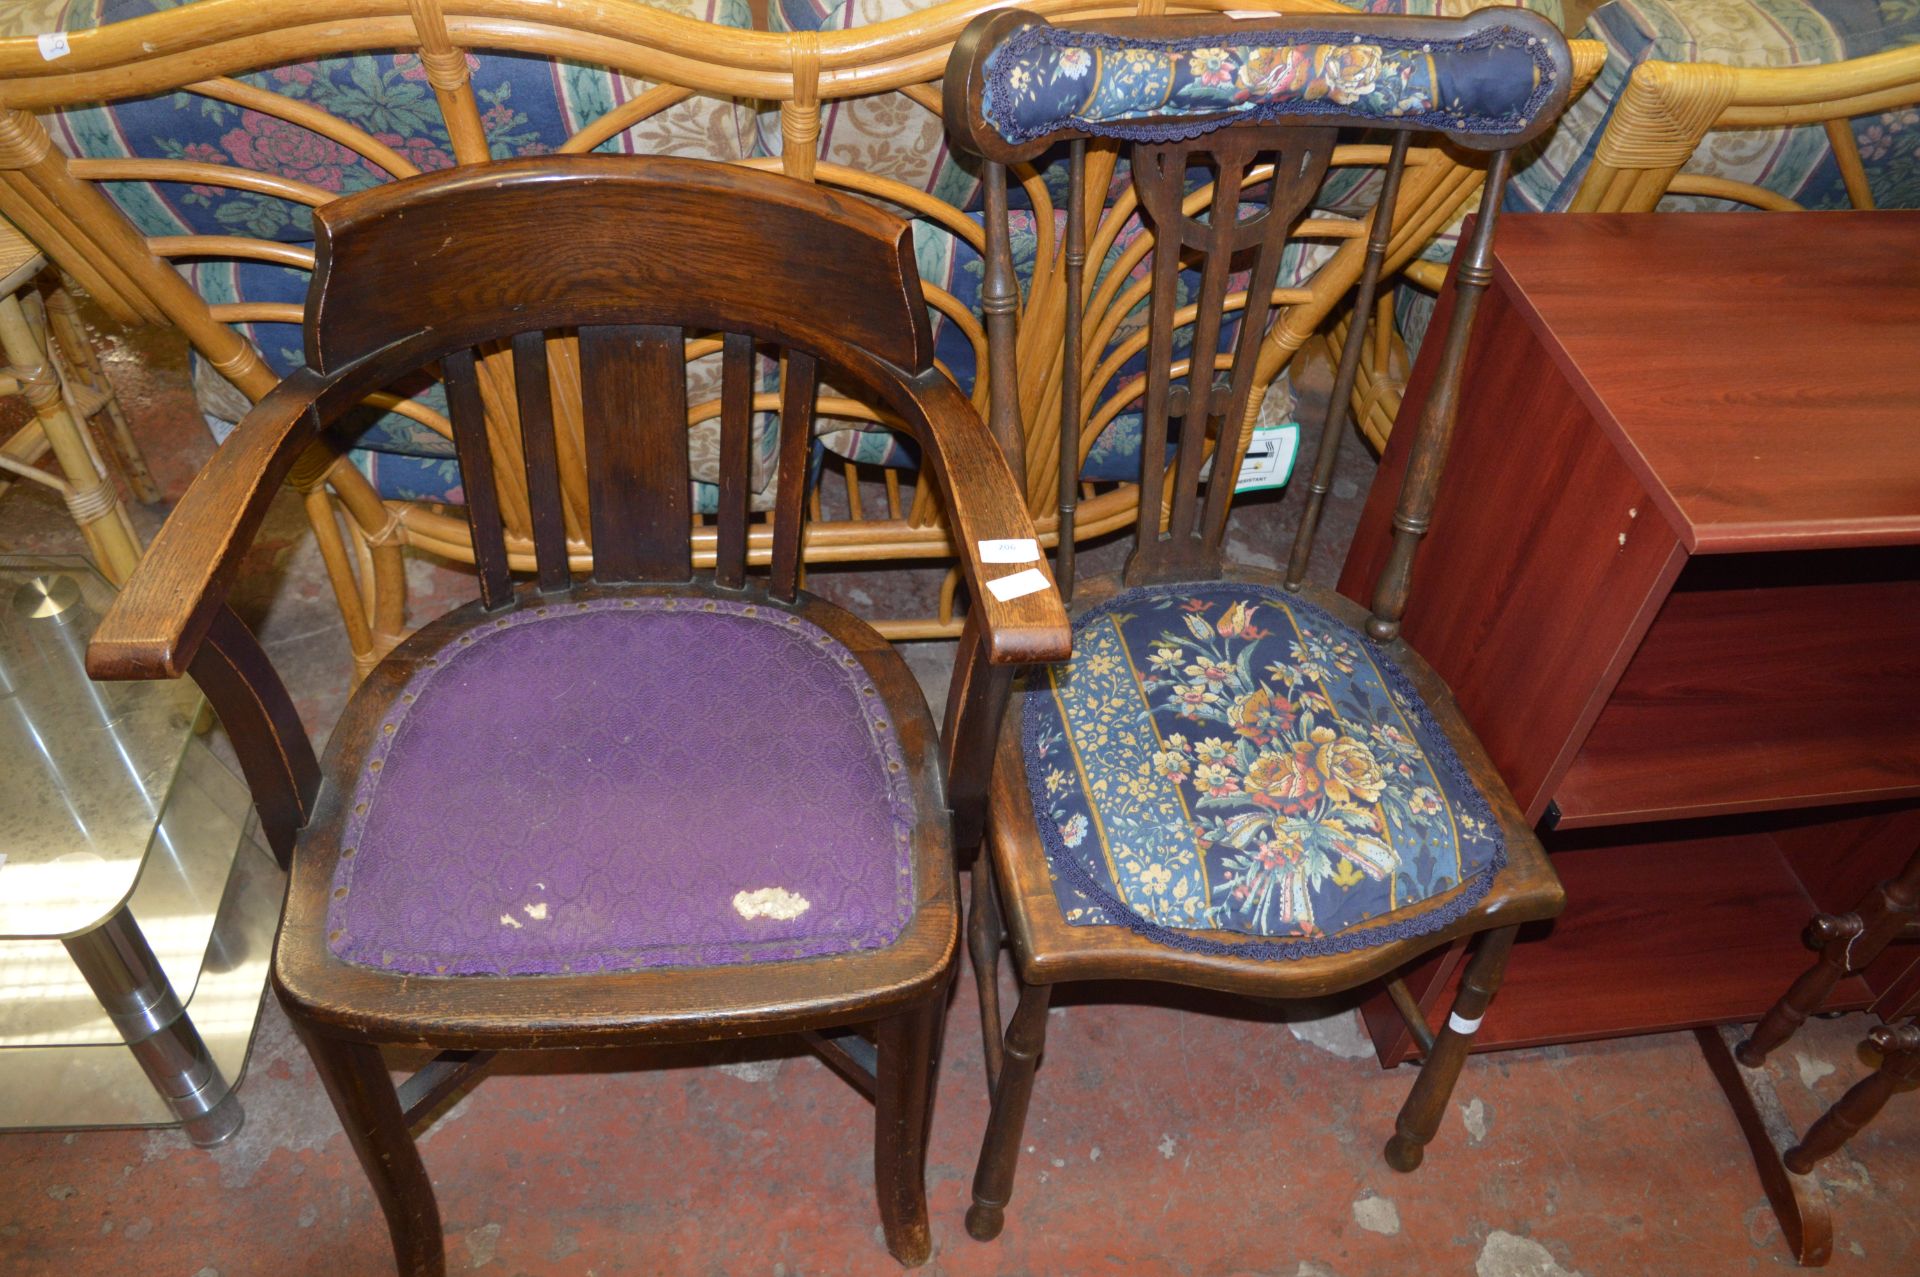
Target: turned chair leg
{"x": 985, "y": 936}
{"x": 1899, "y": 1065}
{"x": 363, "y": 1095}
{"x": 1427, "y": 1104}
{"x": 1000, "y": 1149}
{"x": 1847, "y": 942}
{"x": 903, "y": 1103}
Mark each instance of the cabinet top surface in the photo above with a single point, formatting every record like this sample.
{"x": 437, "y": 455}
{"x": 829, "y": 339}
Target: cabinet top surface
{"x": 1761, "y": 370}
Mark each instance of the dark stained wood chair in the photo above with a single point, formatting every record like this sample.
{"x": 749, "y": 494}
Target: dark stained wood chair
{"x": 649, "y": 806}
{"x": 1241, "y": 782}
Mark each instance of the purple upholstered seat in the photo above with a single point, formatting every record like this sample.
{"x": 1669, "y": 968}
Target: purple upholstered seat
{"x": 627, "y": 783}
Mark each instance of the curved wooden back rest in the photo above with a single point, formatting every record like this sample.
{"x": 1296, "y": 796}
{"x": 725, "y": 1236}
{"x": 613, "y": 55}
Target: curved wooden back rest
{"x": 1668, "y": 108}
{"x": 823, "y": 278}
{"x": 1282, "y": 143}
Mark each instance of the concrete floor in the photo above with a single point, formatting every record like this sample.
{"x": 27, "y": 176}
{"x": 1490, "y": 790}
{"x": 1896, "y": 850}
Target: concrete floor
{"x": 1170, "y": 1132}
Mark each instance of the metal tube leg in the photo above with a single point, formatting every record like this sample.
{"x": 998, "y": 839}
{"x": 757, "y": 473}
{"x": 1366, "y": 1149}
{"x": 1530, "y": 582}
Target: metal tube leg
{"x": 120, "y": 968}
{"x": 1000, "y": 1149}
{"x": 1427, "y": 1104}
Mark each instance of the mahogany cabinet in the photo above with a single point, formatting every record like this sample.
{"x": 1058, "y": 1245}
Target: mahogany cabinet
{"x": 1674, "y": 582}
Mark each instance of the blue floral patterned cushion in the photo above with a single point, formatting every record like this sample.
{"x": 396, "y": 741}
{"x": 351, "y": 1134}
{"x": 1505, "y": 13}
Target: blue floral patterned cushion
{"x": 1044, "y": 79}
{"x": 1230, "y": 757}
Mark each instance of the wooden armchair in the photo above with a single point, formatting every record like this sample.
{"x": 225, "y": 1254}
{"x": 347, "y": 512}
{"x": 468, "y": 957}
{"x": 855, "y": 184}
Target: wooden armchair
{"x": 651, "y": 805}
{"x": 1242, "y": 782}
{"x": 184, "y": 196}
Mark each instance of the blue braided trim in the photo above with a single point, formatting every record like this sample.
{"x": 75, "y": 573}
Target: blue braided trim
{"x": 1470, "y": 891}
{"x": 996, "y": 87}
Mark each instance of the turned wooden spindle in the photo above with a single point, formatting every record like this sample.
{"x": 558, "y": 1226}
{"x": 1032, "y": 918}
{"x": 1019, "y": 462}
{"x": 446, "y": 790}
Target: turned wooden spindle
{"x": 1847, "y": 942}
{"x": 1899, "y": 1067}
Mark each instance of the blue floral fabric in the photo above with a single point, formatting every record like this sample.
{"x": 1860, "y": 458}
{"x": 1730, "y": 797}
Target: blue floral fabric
{"x": 1230, "y": 757}
{"x": 1044, "y": 78}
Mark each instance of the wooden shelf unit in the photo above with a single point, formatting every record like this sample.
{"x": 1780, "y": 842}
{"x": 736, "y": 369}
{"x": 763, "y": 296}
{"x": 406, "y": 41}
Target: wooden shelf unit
{"x": 1674, "y": 582}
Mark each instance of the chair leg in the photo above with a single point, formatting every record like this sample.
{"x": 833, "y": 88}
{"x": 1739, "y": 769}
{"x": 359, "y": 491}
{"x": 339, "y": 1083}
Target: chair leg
{"x": 985, "y": 936}
{"x": 1899, "y": 1067}
{"x": 903, "y": 1103}
{"x": 369, "y": 1107}
{"x": 1420, "y": 1116}
{"x": 1000, "y": 1149}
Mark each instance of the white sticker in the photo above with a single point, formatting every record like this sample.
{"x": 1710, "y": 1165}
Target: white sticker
{"x": 1020, "y": 584}
{"x": 54, "y": 45}
{"x": 1270, "y": 455}
{"x": 1011, "y": 550}
{"x": 1460, "y": 1024}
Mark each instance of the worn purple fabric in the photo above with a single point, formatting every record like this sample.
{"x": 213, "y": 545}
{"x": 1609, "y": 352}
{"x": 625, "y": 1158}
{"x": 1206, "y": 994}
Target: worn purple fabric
{"x": 587, "y": 787}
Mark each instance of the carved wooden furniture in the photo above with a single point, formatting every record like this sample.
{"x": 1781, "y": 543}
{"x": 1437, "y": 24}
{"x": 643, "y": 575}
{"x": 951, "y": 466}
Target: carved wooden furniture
{"x": 1685, "y": 613}
{"x": 66, "y": 399}
{"x": 1333, "y": 865}
{"x": 1846, "y": 943}
{"x": 647, "y": 806}
{"x": 229, "y": 209}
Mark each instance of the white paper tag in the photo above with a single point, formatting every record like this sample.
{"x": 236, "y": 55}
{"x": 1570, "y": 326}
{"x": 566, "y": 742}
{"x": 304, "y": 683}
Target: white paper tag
{"x": 1020, "y": 584}
{"x": 1011, "y": 550}
{"x": 1270, "y": 456}
{"x": 1460, "y": 1024}
{"x": 53, "y": 45}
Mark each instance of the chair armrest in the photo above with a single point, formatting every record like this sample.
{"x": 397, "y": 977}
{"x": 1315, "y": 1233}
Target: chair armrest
{"x": 983, "y": 503}
{"x": 156, "y": 625}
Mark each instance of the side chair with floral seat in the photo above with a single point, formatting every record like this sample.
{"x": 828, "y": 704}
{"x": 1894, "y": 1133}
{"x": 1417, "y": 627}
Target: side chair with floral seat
{"x": 1242, "y": 782}
{"x": 652, "y": 805}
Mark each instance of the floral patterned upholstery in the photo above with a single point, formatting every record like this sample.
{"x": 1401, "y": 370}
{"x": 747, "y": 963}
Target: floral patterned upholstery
{"x": 1229, "y": 757}
{"x": 1044, "y": 79}
{"x": 538, "y": 788}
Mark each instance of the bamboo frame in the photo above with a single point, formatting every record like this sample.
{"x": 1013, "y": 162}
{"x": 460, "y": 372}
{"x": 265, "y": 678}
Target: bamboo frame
{"x": 202, "y": 49}
{"x": 1668, "y": 108}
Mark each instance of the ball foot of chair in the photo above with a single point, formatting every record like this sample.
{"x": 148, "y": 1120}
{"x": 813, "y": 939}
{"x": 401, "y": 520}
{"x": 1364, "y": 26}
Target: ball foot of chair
{"x": 1404, "y": 1154}
{"x": 985, "y": 1222}
{"x": 1000, "y": 1149}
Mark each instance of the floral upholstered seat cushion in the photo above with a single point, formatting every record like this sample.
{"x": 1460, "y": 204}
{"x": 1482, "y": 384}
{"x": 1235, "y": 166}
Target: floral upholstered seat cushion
{"x": 1230, "y": 757}
{"x": 626, "y": 783}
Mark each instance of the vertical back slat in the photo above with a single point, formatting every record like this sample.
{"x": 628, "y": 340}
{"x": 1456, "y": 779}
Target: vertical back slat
{"x": 533, "y": 394}
{"x": 1160, "y": 198}
{"x": 634, "y": 397}
{"x": 1297, "y": 174}
{"x": 476, "y": 476}
{"x": 796, "y": 434}
{"x": 736, "y": 425}
{"x": 1222, "y": 224}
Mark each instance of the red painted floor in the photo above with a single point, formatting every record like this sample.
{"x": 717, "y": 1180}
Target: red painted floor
{"x": 1170, "y": 1133}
